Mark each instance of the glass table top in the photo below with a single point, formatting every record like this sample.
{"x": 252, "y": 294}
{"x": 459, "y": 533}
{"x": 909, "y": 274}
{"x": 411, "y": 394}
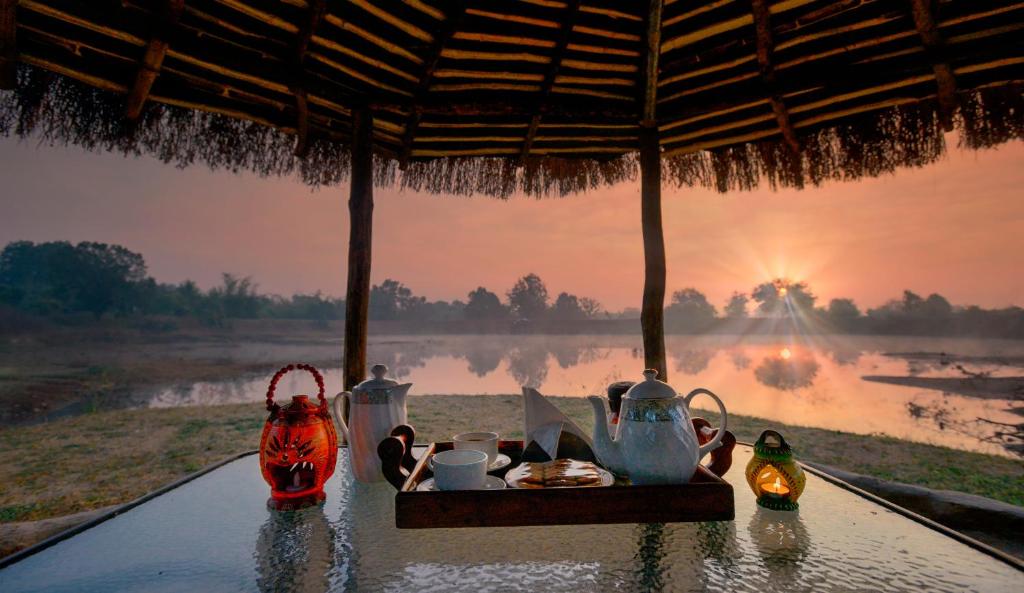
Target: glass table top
{"x": 215, "y": 533}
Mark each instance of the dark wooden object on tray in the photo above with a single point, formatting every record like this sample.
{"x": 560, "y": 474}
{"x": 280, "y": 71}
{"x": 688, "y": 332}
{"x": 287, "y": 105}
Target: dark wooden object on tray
{"x": 706, "y": 498}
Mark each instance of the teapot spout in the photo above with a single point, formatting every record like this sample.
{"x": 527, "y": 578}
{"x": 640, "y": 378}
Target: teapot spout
{"x": 606, "y": 449}
{"x": 399, "y": 392}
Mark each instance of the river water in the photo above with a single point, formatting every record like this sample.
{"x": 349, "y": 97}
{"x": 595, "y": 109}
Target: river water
{"x": 808, "y": 380}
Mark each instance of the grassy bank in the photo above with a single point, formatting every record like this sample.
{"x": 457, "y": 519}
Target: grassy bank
{"x": 108, "y": 458}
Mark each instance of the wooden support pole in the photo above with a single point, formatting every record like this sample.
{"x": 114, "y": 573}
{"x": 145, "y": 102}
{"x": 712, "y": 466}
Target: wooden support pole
{"x": 360, "y": 241}
{"x": 765, "y": 51}
{"x": 572, "y": 10}
{"x": 652, "y": 315}
{"x": 153, "y": 59}
{"x": 8, "y": 44}
{"x": 448, "y": 28}
{"x": 935, "y": 46}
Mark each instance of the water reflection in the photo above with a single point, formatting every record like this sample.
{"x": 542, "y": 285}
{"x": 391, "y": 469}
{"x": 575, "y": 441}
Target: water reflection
{"x": 485, "y": 360}
{"x": 528, "y": 366}
{"x": 692, "y": 362}
{"x": 1007, "y": 435}
{"x": 812, "y": 382}
{"x": 295, "y": 551}
{"x": 740, "y": 360}
{"x": 784, "y": 372}
{"x": 845, "y": 356}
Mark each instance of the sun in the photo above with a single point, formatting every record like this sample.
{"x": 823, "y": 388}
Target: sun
{"x": 785, "y": 354}
{"x": 782, "y": 291}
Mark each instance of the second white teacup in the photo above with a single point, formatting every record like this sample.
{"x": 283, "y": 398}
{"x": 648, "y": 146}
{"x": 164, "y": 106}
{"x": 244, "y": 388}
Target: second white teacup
{"x": 478, "y": 441}
{"x": 462, "y": 469}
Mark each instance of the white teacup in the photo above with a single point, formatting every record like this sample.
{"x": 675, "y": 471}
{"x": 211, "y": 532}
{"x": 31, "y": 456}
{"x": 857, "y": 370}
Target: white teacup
{"x": 478, "y": 441}
{"x": 463, "y": 469}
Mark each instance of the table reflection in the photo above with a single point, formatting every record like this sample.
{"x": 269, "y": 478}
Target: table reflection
{"x": 295, "y": 551}
{"x": 782, "y": 540}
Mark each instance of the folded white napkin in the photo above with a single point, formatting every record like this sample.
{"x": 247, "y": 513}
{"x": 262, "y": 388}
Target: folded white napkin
{"x": 548, "y": 427}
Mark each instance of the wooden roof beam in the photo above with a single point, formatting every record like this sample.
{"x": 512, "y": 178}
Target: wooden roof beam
{"x": 8, "y": 44}
{"x": 652, "y": 53}
{"x": 569, "y": 20}
{"x": 766, "y": 67}
{"x": 935, "y": 47}
{"x": 448, "y": 29}
{"x": 153, "y": 59}
{"x": 315, "y": 13}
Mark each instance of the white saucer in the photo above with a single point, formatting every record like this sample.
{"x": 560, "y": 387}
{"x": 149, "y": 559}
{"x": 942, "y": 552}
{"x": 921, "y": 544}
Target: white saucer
{"x": 501, "y": 461}
{"x": 492, "y": 483}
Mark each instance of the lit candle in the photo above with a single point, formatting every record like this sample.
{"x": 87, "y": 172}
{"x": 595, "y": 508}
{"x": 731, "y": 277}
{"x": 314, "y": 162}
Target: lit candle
{"x": 777, "y": 488}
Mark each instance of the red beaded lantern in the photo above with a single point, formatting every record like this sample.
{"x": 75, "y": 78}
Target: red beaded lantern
{"x": 299, "y": 446}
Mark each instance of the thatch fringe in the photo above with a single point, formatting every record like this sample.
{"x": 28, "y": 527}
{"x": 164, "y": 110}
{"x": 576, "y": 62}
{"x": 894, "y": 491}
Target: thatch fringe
{"x": 867, "y": 145}
{"x": 59, "y": 111}
{"x": 499, "y": 177}
{"x": 992, "y": 116}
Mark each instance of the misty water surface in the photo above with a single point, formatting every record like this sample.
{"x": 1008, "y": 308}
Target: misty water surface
{"x": 812, "y": 380}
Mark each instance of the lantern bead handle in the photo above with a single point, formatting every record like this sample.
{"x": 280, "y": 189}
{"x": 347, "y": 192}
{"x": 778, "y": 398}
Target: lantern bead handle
{"x": 271, "y": 406}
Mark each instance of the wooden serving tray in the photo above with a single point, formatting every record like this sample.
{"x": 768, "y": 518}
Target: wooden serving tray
{"x": 706, "y": 498}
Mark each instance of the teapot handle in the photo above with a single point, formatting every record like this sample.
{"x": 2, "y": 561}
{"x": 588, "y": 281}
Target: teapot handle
{"x": 272, "y": 407}
{"x": 717, "y": 439}
{"x": 339, "y": 412}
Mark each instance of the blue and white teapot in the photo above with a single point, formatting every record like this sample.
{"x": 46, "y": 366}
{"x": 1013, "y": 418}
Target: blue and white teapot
{"x": 655, "y": 442}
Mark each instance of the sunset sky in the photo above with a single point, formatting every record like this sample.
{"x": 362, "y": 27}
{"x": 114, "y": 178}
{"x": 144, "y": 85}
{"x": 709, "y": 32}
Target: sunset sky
{"x": 955, "y": 227}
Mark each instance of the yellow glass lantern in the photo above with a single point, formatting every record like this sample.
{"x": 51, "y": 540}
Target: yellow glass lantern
{"x": 773, "y": 474}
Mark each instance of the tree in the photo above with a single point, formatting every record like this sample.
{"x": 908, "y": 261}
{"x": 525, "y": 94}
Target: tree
{"x": 567, "y": 308}
{"x": 590, "y": 307}
{"x": 843, "y": 312}
{"x": 237, "y": 297}
{"x": 936, "y": 307}
{"x": 188, "y": 297}
{"x": 58, "y": 277}
{"x": 912, "y": 303}
{"x": 691, "y": 309}
{"x": 528, "y": 299}
{"x": 393, "y": 300}
{"x": 484, "y": 304}
{"x": 783, "y": 298}
{"x": 736, "y": 307}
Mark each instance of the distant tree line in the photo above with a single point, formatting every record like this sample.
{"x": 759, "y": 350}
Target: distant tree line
{"x": 527, "y": 302}
{"x": 782, "y": 304}
{"x": 59, "y": 278}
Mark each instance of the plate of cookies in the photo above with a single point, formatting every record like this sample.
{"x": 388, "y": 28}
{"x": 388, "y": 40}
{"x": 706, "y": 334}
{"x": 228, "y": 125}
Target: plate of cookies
{"x": 560, "y": 473}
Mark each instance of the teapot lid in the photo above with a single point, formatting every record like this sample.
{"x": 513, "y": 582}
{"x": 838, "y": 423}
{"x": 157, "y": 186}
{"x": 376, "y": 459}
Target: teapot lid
{"x": 651, "y": 388}
{"x": 378, "y": 381}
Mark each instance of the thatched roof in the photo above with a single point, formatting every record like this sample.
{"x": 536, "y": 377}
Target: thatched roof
{"x": 542, "y": 96}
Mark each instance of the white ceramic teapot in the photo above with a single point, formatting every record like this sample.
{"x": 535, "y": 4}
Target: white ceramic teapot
{"x": 655, "y": 442}
{"x": 376, "y": 407}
